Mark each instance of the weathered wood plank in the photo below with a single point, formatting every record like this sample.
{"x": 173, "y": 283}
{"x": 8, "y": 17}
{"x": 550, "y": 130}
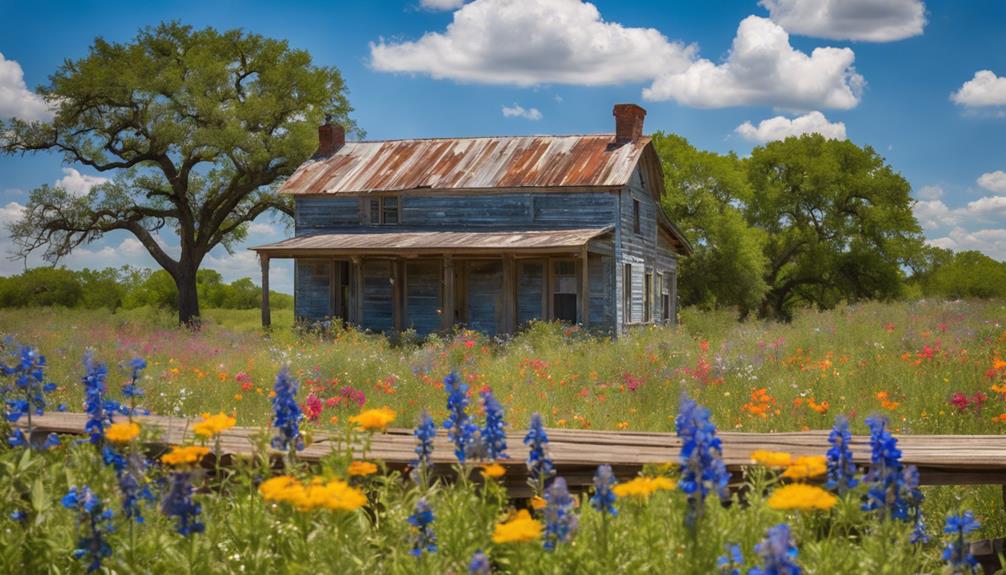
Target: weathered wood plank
{"x": 941, "y": 459}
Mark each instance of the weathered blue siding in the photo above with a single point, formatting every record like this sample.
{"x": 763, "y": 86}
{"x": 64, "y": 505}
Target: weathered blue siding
{"x": 423, "y": 279}
{"x": 314, "y": 215}
{"x": 602, "y": 292}
{"x": 530, "y": 285}
{"x": 313, "y": 289}
{"x": 485, "y": 279}
{"x": 377, "y": 306}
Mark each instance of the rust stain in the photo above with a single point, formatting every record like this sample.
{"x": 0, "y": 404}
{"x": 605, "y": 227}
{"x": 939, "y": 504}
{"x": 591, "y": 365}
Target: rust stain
{"x": 432, "y": 240}
{"x": 469, "y": 163}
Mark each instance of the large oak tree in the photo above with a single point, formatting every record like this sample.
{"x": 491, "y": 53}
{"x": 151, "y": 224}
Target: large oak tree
{"x": 195, "y": 126}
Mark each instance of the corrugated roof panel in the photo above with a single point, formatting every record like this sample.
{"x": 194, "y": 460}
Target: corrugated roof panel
{"x": 433, "y": 241}
{"x": 469, "y": 163}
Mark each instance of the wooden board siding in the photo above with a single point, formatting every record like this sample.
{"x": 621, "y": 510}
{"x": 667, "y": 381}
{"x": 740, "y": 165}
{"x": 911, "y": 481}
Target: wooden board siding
{"x": 423, "y": 304}
{"x": 314, "y": 215}
{"x": 552, "y": 210}
{"x": 313, "y": 289}
{"x": 484, "y": 289}
{"x": 530, "y": 291}
{"x": 602, "y": 289}
{"x": 377, "y": 304}
{"x": 641, "y": 249}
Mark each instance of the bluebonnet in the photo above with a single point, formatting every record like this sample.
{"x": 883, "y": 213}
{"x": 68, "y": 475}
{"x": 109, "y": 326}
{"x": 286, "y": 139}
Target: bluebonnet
{"x": 18, "y": 515}
{"x": 132, "y": 390}
{"x": 424, "y": 432}
{"x": 914, "y": 497}
{"x": 539, "y": 464}
{"x": 841, "y": 468}
{"x": 460, "y": 429}
{"x": 561, "y": 521}
{"x": 97, "y": 523}
{"x": 702, "y": 467}
{"x": 493, "y": 435}
{"x": 132, "y": 481}
{"x": 27, "y": 395}
{"x": 479, "y": 564}
{"x": 286, "y": 413}
{"x": 604, "y": 498}
{"x": 99, "y": 408}
{"x": 422, "y": 520}
{"x": 731, "y": 562}
{"x": 887, "y": 492}
{"x": 778, "y": 553}
{"x": 957, "y": 553}
{"x": 178, "y": 503}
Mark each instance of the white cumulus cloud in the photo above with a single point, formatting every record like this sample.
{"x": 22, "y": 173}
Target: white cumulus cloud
{"x": 993, "y": 181}
{"x": 441, "y": 4}
{"x": 762, "y": 68}
{"x": 990, "y": 241}
{"x": 984, "y": 90}
{"x": 16, "y": 100}
{"x": 518, "y": 111}
{"x": 933, "y": 214}
{"x": 867, "y": 20}
{"x": 78, "y": 184}
{"x": 930, "y": 192}
{"x": 781, "y": 127}
{"x": 531, "y": 42}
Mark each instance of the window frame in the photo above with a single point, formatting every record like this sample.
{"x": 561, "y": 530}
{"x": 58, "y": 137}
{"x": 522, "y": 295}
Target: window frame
{"x": 637, "y": 217}
{"x": 627, "y": 293}
{"x": 378, "y": 204}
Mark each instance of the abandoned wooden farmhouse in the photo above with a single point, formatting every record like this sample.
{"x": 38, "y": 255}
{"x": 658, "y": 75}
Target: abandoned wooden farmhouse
{"x": 487, "y": 233}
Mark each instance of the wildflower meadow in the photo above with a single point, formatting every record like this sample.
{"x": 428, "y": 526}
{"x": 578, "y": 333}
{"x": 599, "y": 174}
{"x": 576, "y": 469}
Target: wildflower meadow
{"x": 110, "y": 502}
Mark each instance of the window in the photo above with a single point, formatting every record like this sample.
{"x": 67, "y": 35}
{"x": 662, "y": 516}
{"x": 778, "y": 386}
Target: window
{"x": 647, "y": 297}
{"x": 383, "y": 210}
{"x": 635, "y": 216}
{"x": 564, "y": 291}
{"x": 627, "y": 293}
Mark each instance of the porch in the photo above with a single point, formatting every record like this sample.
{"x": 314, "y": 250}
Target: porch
{"x": 493, "y": 282}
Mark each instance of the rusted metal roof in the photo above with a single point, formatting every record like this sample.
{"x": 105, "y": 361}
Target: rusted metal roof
{"x": 436, "y": 242}
{"x": 470, "y": 164}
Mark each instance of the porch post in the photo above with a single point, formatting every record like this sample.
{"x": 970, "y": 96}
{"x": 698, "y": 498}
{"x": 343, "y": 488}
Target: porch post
{"x": 584, "y": 288}
{"x": 397, "y": 294}
{"x": 266, "y": 312}
{"x": 447, "y": 311}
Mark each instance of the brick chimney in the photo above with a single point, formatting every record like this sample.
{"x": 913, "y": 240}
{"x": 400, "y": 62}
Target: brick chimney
{"x": 331, "y": 137}
{"x": 628, "y": 122}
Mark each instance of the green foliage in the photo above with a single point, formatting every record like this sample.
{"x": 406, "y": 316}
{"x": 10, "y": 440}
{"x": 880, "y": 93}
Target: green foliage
{"x": 196, "y": 126}
{"x": 127, "y": 288}
{"x": 839, "y": 220}
{"x": 970, "y": 274}
{"x": 803, "y": 221}
{"x": 707, "y": 192}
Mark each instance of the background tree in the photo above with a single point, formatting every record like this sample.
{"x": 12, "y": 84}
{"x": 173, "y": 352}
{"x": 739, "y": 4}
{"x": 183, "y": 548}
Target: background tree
{"x": 708, "y": 193}
{"x": 196, "y": 126}
{"x": 839, "y": 223}
{"x": 969, "y": 274}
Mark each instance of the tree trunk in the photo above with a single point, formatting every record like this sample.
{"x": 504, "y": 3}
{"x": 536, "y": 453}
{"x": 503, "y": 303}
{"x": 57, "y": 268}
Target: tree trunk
{"x": 188, "y": 297}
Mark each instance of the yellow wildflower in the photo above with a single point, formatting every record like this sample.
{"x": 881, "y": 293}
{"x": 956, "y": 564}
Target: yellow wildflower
{"x": 122, "y": 432}
{"x": 212, "y": 425}
{"x": 772, "y": 458}
{"x": 183, "y": 455}
{"x": 335, "y": 495}
{"x": 518, "y": 529}
{"x": 538, "y": 503}
{"x": 493, "y": 471}
{"x": 361, "y": 468}
{"x": 807, "y": 466}
{"x": 643, "y": 487}
{"x": 278, "y": 488}
{"x": 374, "y": 419}
{"x": 801, "y": 496}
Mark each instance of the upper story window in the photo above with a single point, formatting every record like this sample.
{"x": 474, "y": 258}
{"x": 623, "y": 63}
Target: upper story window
{"x": 635, "y": 216}
{"x": 383, "y": 210}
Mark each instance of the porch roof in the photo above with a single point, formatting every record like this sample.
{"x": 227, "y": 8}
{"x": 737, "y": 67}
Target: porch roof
{"x": 431, "y": 242}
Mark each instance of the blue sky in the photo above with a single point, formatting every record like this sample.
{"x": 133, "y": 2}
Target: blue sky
{"x": 924, "y": 84}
